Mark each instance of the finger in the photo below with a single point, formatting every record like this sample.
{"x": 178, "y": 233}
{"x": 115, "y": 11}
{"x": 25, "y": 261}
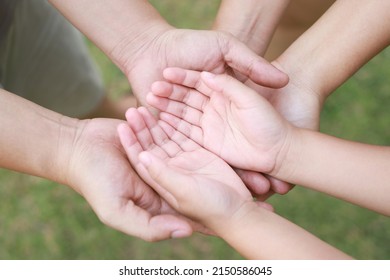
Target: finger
{"x": 187, "y": 78}
{"x": 143, "y": 135}
{"x": 176, "y": 92}
{"x": 179, "y": 109}
{"x": 138, "y": 126}
{"x": 159, "y": 136}
{"x": 133, "y": 148}
{"x": 170, "y": 184}
{"x": 264, "y": 197}
{"x": 136, "y": 221}
{"x": 239, "y": 93}
{"x": 257, "y": 183}
{"x": 185, "y": 143}
{"x": 130, "y": 143}
{"x": 239, "y": 57}
{"x": 191, "y": 131}
{"x": 280, "y": 187}
{"x": 265, "y": 205}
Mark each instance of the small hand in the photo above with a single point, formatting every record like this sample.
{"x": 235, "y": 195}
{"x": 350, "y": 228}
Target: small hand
{"x": 193, "y": 180}
{"x": 224, "y": 116}
{"x": 297, "y": 103}
{"x": 100, "y": 171}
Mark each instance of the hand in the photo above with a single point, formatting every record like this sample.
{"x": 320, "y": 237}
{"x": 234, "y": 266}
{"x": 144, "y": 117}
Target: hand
{"x": 211, "y": 51}
{"x": 224, "y": 116}
{"x": 100, "y": 171}
{"x": 298, "y": 103}
{"x": 193, "y": 180}
{"x": 199, "y": 50}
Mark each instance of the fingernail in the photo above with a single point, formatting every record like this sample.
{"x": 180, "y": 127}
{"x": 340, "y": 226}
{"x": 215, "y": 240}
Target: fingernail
{"x": 208, "y": 75}
{"x": 179, "y": 233}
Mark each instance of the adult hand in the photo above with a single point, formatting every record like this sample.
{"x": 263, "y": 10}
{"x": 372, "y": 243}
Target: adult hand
{"x": 211, "y": 51}
{"x": 297, "y": 102}
{"x": 99, "y": 170}
{"x": 193, "y": 180}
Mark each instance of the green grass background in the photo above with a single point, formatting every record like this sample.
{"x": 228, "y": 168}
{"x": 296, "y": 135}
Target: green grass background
{"x": 43, "y": 220}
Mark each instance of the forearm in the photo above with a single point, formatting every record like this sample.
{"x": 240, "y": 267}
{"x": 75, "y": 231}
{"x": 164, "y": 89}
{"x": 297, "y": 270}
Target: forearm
{"x": 251, "y": 21}
{"x": 33, "y": 139}
{"x": 348, "y": 35}
{"x": 355, "y": 172}
{"x": 257, "y": 233}
{"x": 119, "y": 27}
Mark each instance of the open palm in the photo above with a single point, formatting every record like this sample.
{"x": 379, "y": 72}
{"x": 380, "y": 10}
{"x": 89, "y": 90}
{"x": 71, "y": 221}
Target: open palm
{"x": 192, "y": 179}
{"x": 223, "y": 115}
{"x": 100, "y": 171}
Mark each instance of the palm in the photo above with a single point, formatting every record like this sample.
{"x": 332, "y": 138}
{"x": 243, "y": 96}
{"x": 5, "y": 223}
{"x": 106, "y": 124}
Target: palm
{"x": 299, "y": 105}
{"x": 102, "y": 174}
{"x": 205, "y": 174}
{"x": 228, "y": 130}
{"x": 234, "y": 122}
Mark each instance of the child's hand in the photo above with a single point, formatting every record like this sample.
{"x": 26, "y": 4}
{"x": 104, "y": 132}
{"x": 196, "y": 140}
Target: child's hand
{"x": 224, "y": 116}
{"x": 191, "y": 179}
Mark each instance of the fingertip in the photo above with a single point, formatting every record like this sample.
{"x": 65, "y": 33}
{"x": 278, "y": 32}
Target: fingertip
{"x": 152, "y": 99}
{"x": 256, "y": 182}
{"x": 168, "y": 226}
{"x": 161, "y": 88}
{"x": 280, "y": 187}
{"x": 122, "y": 130}
{"x": 283, "y": 77}
{"x": 174, "y": 74}
{"x": 181, "y": 233}
{"x": 130, "y": 113}
{"x": 144, "y": 112}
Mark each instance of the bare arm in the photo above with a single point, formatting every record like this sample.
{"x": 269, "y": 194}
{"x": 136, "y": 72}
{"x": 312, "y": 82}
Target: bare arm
{"x": 251, "y": 21}
{"x": 33, "y": 138}
{"x": 275, "y": 237}
{"x": 118, "y": 27}
{"x": 355, "y": 172}
{"x": 142, "y": 44}
{"x": 348, "y": 35}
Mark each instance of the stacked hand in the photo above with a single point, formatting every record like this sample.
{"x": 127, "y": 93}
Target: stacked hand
{"x": 212, "y": 51}
{"x": 100, "y": 171}
{"x": 195, "y": 181}
{"x": 222, "y": 115}
{"x": 206, "y": 122}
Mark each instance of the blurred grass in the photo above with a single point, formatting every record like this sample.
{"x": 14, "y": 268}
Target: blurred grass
{"x": 43, "y": 220}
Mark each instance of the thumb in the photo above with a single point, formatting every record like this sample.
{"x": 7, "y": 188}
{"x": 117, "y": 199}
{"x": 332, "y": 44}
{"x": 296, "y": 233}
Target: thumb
{"x": 170, "y": 184}
{"x": 242, "y": 59}
{"x": 232, "y": 88}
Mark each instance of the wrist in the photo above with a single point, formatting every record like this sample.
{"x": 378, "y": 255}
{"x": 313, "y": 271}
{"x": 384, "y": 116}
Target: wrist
{"x": 302, "y": 76}
{"x": 130, "y": 48}
{"x": 289, "y": 155}
{"x": 68, "y": 129}
{"x": 226, "y": 227}
{"x": 254, "y": 25}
